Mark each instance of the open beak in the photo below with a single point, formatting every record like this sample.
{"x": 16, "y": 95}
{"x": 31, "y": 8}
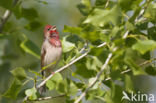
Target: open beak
{"x": 53, "y": 28}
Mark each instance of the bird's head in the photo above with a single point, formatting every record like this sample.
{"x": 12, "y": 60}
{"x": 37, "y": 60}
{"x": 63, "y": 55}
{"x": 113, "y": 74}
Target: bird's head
{"x": 50, "y": 32}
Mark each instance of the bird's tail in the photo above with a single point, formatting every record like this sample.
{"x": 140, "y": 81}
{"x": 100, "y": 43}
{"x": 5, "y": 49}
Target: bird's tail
{"x": 43, "y": 88}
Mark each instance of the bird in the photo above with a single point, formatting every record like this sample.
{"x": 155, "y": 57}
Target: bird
{"x": 51, "y": 51}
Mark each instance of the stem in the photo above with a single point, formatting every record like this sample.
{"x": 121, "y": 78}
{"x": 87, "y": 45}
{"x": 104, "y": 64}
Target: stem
{"x": 6, "y": 16}
{"x": 64, "y": 67}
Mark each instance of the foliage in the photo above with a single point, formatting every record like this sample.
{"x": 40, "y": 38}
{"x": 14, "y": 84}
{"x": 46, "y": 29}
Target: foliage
{"x": 102, "y": 21}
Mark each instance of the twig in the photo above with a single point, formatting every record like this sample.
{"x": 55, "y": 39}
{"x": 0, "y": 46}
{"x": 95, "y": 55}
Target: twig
{"x": 46, "y": 98}
{"x": 103, "y": 67}
{"x": 6, "y": 16}
{"x": 101, "y": 45}
{"x": 64, "y": 67}
{"x": 148, "y": 61}
{"x": 107, "y": 3}
{"x": 97, "y": 76}
{"x": 61, "y": 69}
{"x": 4, "y": 19}
{"x": 126, "y": 34}
{"x": 128, "y": 70}
{"x": 81, "y": 51}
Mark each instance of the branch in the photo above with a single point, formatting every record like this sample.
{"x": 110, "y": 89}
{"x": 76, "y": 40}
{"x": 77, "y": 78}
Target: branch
{"x": 107, "y": 3}
{"x": 46, "y": 98}
{"x": 6, "y": 16}
{"x": 61, "y": 69}
{"x": 97, "y": 76}
{"x": 101, "y": 45}
{"x": 4, "y": 19}
{"x": 126, "y": 34}
{"x": 128, "y": 70}
{"x": 105, "y": 65}
{"x": 64, "y": 67}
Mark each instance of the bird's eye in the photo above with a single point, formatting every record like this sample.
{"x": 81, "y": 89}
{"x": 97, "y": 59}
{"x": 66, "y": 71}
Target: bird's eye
{"x": 48, "y": 29}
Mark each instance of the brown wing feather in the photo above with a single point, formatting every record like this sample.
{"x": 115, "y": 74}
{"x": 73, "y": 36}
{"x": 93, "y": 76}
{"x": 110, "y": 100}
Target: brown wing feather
{"x": 43, "y": 52}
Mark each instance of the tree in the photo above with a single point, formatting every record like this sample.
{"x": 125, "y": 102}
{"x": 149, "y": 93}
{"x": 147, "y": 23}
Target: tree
{"x": 109, "y": 47}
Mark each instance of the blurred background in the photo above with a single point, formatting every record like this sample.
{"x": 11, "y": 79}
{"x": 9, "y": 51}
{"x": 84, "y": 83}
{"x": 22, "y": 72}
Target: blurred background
{"x": 54, "y": 12}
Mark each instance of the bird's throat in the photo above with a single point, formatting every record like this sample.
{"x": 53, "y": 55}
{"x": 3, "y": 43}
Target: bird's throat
{"x": 55, "y": 42}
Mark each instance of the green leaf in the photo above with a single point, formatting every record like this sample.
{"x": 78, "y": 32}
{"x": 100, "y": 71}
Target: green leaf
{"x": 114, "y": 95}
{"x": 19, "y": 73}
{"x": 27, "y": 11}
{"x": 61, "y": 87}
{"x": 128, "y": 84}
{"x": 17, "y": 10}
{"x": 152, "y": 32}
{"x": 100, "y": 17}
{"x": 144, "y": 46}
{"x": 115, "y": 74}
{"x": 84, "y": 7}
{"x": 130, "y": 41}
{"x": 93, "y": 63}
{"x": 51, "y": 84}
{"x": 14, "y": 89}
{"x": 31, "y": 93}
{"x": 125, "y": 4}
{"x": 6, "y": 4}
{"x": 4, "y": 36}
{"x": 143, "y": 25}
{"x": 72, "y": 89}
{"x": 100, "y": 2}
{"x": 137, "y": 70}
{"x": 73, "y": 30}
{"x": 33, "y": 25}
{"x": 130, "y": 26}
{"x": 57, "y": 77}
{"x": 67, "y": 46}
{"x": 83, "y": 71}
{"x": 129, "y": 4}
{"x": 150, "y": 12}
{"x": 31, "y": 48}
{"x": 151, "y": 70}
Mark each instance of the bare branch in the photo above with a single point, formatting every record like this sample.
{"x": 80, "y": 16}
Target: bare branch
{"x": 61, "y": 69}
{"x": 101, "y": 45}
{"x": 107, "y": 3}
{"x": 97, "y": 76}
{"x": 64, "y": 67}
{"x": 103, "y": 67}
{"x": 126, "y": 34}
{"x": 46, "y": 98}
{"x": 128, "y": 70}
{"x": 4, "y": 19}
{"x": 6, "y": 16}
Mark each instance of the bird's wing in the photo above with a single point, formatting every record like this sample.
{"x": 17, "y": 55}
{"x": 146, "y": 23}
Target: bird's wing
{"x": 43, "y": 52}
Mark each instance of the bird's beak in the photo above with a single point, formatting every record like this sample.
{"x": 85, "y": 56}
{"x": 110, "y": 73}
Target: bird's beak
{"x": 53, "y": 28}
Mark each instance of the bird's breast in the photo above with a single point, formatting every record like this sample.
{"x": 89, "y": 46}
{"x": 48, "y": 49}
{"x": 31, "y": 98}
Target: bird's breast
{"x": 52, "y": 55}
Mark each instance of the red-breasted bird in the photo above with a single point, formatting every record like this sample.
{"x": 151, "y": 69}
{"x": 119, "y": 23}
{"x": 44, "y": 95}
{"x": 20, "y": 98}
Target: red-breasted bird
{"x": 51, "y": 50}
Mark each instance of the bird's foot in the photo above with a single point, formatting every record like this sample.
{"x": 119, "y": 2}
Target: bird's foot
{"x": 52, "y": 73}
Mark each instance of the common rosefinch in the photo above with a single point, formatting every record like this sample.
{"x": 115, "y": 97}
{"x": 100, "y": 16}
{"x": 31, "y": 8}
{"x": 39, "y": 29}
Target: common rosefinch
{"x": 51, "y": 50}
